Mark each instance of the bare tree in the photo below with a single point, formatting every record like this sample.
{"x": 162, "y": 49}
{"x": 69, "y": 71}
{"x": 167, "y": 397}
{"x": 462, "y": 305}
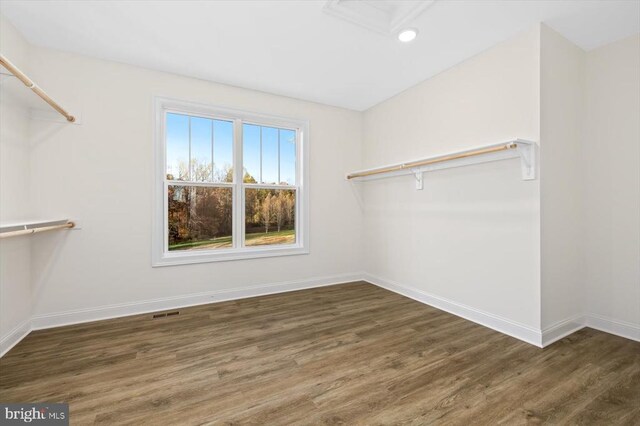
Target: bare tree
{"x": 201, "y": 171}
{"x": 266, "y": 209}
{"x": 290, "y": 208}
{"x": 279, "y": 209}
{"x": 183, "y": 171}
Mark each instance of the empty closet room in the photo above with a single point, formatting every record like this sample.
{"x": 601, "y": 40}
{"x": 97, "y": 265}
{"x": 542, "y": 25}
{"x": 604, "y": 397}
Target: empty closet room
{"x": 305, "y": 212}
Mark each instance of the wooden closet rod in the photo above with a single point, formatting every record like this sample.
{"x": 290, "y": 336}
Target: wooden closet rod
{"x": 429, "y": 161}
{"x": 37, "y": 90}
{"x": 36, "y": 230}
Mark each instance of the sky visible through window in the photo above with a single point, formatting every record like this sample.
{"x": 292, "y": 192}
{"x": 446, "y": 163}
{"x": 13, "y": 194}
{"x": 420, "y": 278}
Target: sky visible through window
{"x": 269, "y": 153}
{"x": 209, "y": 142}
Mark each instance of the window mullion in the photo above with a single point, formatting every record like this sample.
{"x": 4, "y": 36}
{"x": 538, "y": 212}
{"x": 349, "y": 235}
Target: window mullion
{"x": 260, "y": 180}
{"x": 189, "y": 159}
{"x": 213, "y": 160}
{"x": 238, "y": 187}
{"x": 165, "y": 225}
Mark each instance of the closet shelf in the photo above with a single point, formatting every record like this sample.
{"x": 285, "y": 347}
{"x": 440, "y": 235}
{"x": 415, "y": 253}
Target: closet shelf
{"x": 515, "y": 148}
{"x": 15, "y": 229}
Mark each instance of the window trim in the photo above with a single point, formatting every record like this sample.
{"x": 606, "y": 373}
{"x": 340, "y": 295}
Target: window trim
{"x": 160, "y": 255}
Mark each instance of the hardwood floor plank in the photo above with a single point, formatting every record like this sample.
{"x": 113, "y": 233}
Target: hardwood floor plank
{"x": 344, "y": 354}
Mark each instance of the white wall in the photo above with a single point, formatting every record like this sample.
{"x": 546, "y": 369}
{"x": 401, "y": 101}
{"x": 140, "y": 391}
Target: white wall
{"x": 562, "y": 86}
{"x": 15, "y": 285}
{"x": 101, "y": 172}
{"x": 612, "y": 184}
{"x": 472, "y": 235}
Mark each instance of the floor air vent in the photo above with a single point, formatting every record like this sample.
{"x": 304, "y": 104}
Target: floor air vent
{"x": 166, "y": 314}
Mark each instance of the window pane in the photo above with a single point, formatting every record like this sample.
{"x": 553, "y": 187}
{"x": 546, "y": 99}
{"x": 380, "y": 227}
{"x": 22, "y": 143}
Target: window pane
{"x": 270, "y": 216}
{"x": 177, "y": 134}
{"x": 223, "y": 151}
{"x": 201, "y": 149}
{"x": 251, "y": 152}
{"x": 287, "y": 157}
{"x": 269, "y": 155}
{"x": 199, "y": 218}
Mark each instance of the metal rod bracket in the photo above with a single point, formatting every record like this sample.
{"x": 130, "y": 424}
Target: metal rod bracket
{"x": 527, "y": 160}
{"x": 419, "y": 179}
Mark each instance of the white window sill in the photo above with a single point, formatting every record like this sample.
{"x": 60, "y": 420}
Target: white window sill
{"x": 190, "y": 257}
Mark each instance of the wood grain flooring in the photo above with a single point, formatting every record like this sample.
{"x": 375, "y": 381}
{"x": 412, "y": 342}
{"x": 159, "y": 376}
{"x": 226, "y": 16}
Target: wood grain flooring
{"x": 344, "y": 354}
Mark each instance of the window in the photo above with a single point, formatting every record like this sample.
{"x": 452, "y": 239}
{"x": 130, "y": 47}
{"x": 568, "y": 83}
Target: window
{"x": 229, "y": 185}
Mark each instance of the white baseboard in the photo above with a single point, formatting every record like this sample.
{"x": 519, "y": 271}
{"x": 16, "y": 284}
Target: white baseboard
{"x": 514, "y": 329}
{"x": 597, "y": 322}
{"x": 562, "y": 329}
{"x": 14, "y": 336}
{"x": 613, "y": 326}
{"x": 540, "y": 338}
{"x": 519, "y": 331}
{"x": 59, "y": 319}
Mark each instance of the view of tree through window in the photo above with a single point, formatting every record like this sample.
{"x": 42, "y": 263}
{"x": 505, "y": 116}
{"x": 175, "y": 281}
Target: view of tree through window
{"x": 270, "y": 216}
{"x": 200, "y": 217}
{"x": 200, "y": 184}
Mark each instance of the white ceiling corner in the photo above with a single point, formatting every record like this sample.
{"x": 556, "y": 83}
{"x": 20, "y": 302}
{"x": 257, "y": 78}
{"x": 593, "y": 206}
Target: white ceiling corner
{"x": 386, "y": 17}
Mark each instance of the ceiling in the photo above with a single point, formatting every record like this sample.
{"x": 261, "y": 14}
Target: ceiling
{"x": 297, "y": 48}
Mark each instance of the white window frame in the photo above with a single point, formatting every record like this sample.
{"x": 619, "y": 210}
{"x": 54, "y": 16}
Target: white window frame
{"x": 161, "y": 256}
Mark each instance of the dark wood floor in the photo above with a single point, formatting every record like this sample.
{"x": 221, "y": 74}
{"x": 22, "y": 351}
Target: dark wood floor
{"x": 345, "y": 354}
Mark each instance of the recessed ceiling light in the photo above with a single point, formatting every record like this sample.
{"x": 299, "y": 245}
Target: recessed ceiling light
{"x": 408, "y": 35}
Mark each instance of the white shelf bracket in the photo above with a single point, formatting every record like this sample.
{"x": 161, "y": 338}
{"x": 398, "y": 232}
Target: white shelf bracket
{"x": 527, "y": 160}
{"x": 419, "y": 179}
